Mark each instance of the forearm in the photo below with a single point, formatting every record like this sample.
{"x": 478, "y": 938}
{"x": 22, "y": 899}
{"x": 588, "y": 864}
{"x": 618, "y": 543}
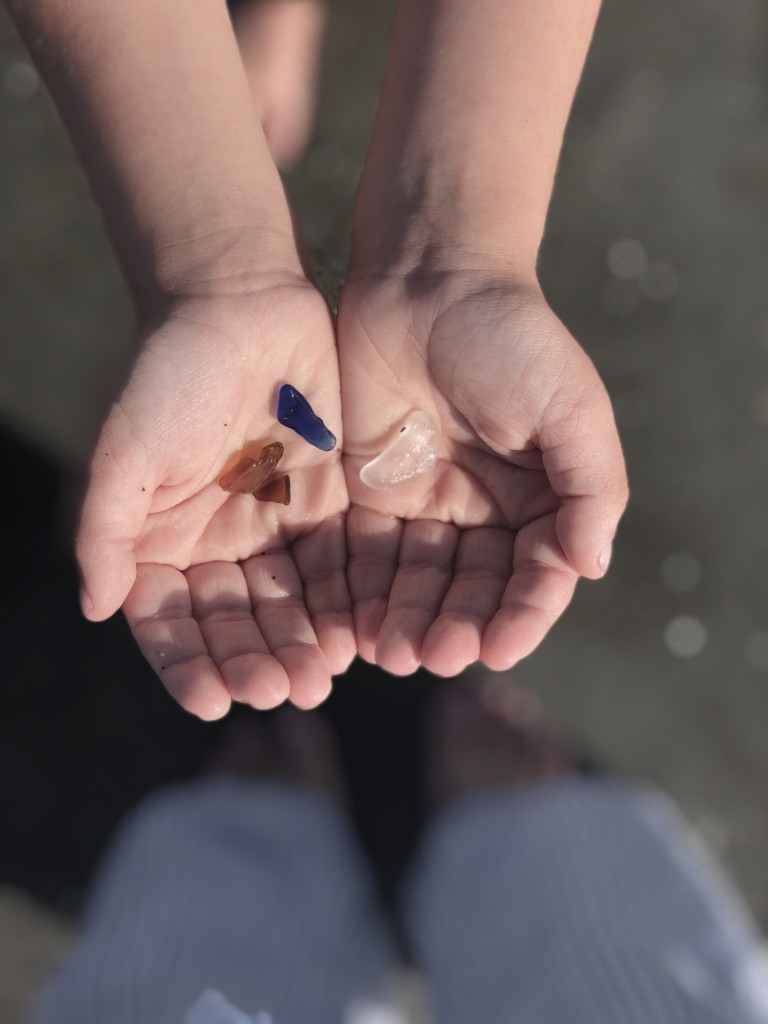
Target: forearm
{"x": 469, "y": 129}
{"x": 157, "y": 103}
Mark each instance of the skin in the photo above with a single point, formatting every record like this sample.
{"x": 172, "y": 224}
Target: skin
{"x": 234, "y": 599}
{"x": 442, "y": 311}
{"x": 481, "y": 556}
{"x": 280, "y": 45}
{"x": 228, "y": 598}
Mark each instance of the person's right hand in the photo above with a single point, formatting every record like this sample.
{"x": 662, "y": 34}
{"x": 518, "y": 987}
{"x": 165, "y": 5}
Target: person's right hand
{"x": 228, "y": 597}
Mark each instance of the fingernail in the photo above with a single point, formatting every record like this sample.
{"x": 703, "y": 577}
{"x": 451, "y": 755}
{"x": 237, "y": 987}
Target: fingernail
{"x": 604, "y": 558}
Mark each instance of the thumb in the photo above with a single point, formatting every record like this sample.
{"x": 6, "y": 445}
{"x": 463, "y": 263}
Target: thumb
{"x": 114, "y": 512}
{"x": 582, "y": 456}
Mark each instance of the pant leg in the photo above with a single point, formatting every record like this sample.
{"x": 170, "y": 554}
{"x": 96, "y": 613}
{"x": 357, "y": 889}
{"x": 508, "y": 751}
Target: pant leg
{"x": 583, "y": 901}
{"x": 257, "y": 891}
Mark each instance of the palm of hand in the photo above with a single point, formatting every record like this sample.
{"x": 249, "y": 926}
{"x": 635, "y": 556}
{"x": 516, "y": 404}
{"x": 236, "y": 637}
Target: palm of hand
{"x": 231, "y": 596}
{"x": 468, "y": 562}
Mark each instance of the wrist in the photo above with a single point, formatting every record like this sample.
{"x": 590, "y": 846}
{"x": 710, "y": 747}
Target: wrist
{"x": 222, "y": 261}
{"x": 435, "y": 290}
{"x": 424, "y": 200}
{"x": 425, "y": 238}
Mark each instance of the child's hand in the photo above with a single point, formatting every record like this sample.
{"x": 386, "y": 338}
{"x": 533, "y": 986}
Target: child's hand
{"x": 483, "y": 554}
{"x": 169, "y": 137}
{"x": 228, "y": 597}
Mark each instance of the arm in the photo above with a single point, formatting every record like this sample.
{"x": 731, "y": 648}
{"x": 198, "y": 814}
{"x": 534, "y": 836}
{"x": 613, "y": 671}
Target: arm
{"x": 468, "y": 132}
{"x": 160, "y": 112}
{"x": 442, "y": 291}
{"x": 157, "y": 102}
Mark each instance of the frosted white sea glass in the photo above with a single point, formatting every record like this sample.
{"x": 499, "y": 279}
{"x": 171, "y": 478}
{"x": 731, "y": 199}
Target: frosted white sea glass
{"x": 411, "y": 453}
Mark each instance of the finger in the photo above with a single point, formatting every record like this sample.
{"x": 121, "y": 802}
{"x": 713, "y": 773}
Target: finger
{"x": 539, "y": 590}
{"x": 159, "y": 612}
{"x": 373, "y": 541}
{"x": 222, "y": 606}
{"x": 114, "y": 510}
{"x": 424, "y": 573}
{"x": 277, "y": 597}
{"x": 584, "y": 462}
{"x": 321, "y": 559}
{"x": 482, "y": 567}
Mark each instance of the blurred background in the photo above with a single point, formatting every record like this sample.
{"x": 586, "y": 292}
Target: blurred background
{"x": 656, "y": 256}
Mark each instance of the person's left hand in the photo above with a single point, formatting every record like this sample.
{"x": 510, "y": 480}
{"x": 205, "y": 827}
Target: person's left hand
{"x": 477, "y": 559}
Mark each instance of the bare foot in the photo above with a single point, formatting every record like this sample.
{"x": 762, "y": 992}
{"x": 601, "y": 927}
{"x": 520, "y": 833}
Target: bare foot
{"x": 280, "y": 44}
{"x": 288, "y": 746}
{"x": 489, "y": 734}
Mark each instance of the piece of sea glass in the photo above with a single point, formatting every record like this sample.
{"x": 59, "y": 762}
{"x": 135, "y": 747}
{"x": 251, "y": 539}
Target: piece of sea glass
{"x": 278, "y": 490}
{"x": 295, "y": 412}
{"x": 411, "y": 453}
{"x": 251, "y": 471}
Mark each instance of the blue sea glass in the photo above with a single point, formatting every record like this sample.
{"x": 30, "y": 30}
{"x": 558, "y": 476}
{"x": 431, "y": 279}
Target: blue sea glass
{"x": 295, "y": 412}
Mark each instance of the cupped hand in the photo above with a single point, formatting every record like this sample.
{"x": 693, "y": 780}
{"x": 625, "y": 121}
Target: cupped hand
{"x": 228, "y": 597}
{"x": 478, "y": 558}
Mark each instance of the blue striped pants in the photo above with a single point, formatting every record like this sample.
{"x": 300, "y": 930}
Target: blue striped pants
{"x": 580, "y": 901}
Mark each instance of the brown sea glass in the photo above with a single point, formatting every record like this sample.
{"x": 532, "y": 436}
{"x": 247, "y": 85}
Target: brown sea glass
{"x": 278, "y": 490}
{"x": 251, "y": 470}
